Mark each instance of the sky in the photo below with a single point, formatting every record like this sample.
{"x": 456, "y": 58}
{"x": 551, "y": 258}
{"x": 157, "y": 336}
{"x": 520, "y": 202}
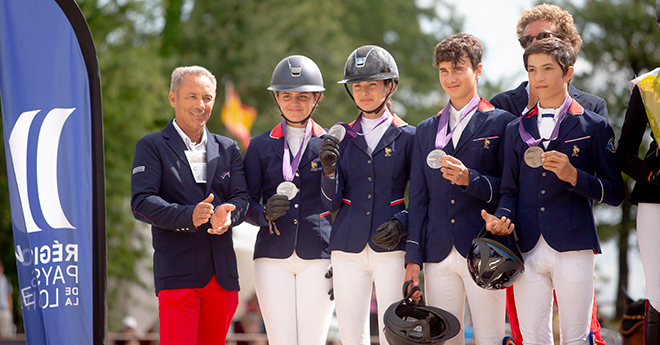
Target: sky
{"x": 494, "y": 23}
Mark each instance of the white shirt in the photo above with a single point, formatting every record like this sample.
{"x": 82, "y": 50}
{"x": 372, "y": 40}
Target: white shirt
{"x": 454, "y": 117}
{"x": 373, "y": 138}
{"x": 196, "y": 154}
{"x": 547, "y": 124}
{"x": 294, "y": 137}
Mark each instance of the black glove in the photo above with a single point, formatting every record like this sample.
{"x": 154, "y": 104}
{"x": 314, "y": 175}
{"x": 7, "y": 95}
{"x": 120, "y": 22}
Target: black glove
{"x": 328, "y": 275}
{"x": 276, "y": 207}
{"x": 328, "y": 153}
{"x": 655, "y": 176}
{"x": 389, "y": 234}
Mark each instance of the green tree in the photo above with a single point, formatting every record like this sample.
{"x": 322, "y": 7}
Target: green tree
{"x": 620, "y": 42}
{"x": 134, "y": 87}
{"x": 243, "y": 40}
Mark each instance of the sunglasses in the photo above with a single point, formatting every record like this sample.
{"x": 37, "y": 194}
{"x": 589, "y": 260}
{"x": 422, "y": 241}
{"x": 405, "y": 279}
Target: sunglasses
{"x": 527, "y": 40}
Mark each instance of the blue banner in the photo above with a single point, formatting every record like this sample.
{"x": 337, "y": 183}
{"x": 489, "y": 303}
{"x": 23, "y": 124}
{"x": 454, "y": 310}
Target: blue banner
{"x": 48, "y": 108}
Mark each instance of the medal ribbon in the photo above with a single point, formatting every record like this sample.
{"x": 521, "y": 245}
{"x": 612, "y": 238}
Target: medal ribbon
{"x": 354, "y": 131}
{"x": 442, "y": 137}
{"x": 288, "y": 168}
{"x": 529, "y": 140}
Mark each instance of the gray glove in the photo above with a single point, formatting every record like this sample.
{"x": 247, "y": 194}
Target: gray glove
{"x": 276, "y": 207}
{"x": 328, "y": 153}
{"x": 389, "y": 234}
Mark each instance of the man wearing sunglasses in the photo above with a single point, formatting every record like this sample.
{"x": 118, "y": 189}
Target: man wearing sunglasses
{"x": 537, "y": 23}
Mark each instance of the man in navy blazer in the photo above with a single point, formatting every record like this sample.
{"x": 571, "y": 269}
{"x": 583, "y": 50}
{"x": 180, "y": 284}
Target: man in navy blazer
{"x": 539, "y": 22}
{"x": 447, "y": 193}
{"x": 559, "y": 159}
{"x": 190, "y": 186}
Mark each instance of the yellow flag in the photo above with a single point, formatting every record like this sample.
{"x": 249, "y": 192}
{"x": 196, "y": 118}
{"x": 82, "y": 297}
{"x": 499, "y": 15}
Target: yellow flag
{"x": 649, "y": 85}
{"x": 237, "y": 117}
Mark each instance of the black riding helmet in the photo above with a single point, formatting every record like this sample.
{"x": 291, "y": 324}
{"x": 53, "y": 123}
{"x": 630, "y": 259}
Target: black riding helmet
{"x": 492, "y": 265}
{"x": 368, "y": 63}
{"x": 296, "y": 73}
{"x": 412, "y": 323}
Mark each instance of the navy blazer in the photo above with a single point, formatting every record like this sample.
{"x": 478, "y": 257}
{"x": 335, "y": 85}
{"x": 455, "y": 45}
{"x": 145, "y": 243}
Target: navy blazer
{"x": 306, "y": 225}
{"x": 164, "y": 194}
{"x": 369, "y": 189}
{"x": 538, "y": 202}
{"x": 443, "y": 214}
{"x": 515, "y": 101}
{"x": 632, "y": 134}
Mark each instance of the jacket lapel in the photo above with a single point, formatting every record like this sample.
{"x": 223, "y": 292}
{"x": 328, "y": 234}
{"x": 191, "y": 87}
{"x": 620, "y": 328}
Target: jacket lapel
{"x": 174, "y": 141}
{"x": 566, "y": 126}
{"x": 472, "y": 127}
{"x": 212, "y": 158}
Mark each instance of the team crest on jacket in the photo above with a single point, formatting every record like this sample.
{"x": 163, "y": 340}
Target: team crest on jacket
{"x": 576, "y": 151}
{"x": 315, "y": 167}
{"x": 225, "y": 174}
{"x": 486, "y": 144}
{"x": 388, "y": 152}
{"x": 610, "y": 145}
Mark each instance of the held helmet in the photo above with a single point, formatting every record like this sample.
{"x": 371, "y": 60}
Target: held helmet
{"x": 296, "y": 73}
{"x": 492, "y": 265}
{"x": 369, "y": 63}
{"x": 408, "y": 323}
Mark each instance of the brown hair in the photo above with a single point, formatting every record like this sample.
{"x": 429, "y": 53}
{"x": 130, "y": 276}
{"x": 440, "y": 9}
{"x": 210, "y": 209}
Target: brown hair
{"x": 455, "y": 47}
{"x": 562, "y": 53}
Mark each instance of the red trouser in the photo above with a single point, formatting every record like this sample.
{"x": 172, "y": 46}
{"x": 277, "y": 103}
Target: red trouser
{"x": 515, "y": 328}
{"x": 196, "y": 316}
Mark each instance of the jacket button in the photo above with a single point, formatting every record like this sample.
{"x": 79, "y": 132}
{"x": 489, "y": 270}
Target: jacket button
{"x": 542, "y": 191}
{"x": 543, "y": 174}
{"x": 542, "y": 209}
{"x": 295, "y": 221}
{"x": 297, "y": 174}
{"x": 368, "y": 196}
{"x": 453, "y": 221}
{"x": 368, "y": 161}
{"x": 368, "y": 213}
{"x": 453, "y": 201}
{"x": 369, "y": 178}
{"x": 295, "y": 206}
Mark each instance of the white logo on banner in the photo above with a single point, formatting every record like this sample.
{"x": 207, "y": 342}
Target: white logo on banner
{"x": 47, "y": 145}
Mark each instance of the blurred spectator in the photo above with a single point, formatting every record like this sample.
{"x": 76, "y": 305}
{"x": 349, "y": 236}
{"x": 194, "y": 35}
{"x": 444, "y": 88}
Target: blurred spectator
{"x": 130, "y": 327}
{"x": 6, "y": 306}
{"x": 250, "y": 323}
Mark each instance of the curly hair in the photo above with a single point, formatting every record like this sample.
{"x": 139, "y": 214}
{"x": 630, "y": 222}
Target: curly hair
{"x": 455, "y": 47}
{"x": 562, "y": 20}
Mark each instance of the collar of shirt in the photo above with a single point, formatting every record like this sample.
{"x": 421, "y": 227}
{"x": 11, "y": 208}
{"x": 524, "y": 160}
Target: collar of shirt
{"x": 201, "y": 146}
{"x": 542, "y": 111}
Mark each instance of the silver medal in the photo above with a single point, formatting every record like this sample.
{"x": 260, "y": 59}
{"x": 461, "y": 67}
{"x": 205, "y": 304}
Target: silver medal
{"x": 338, "y": 132}
{"x": 287, "y": 188}
{"x": 533, "y": 156}
{"x": 433, "y": 158}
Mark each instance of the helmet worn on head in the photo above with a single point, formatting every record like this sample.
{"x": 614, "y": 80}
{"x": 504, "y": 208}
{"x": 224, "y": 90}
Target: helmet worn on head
{"x": 369, "y": 63}
{"x": 492, "y": 265}
{"x": 407, "y": 323}
{"x": 297, "y": 73}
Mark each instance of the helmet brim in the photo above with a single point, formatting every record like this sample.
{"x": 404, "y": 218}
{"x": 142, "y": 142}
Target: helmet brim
{"x": 296, "y": 88}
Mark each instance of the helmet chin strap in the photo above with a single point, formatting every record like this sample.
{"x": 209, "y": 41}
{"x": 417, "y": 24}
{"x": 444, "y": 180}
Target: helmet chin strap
{"x": 303, "y": 121}
{"x": 380, "y": 107}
